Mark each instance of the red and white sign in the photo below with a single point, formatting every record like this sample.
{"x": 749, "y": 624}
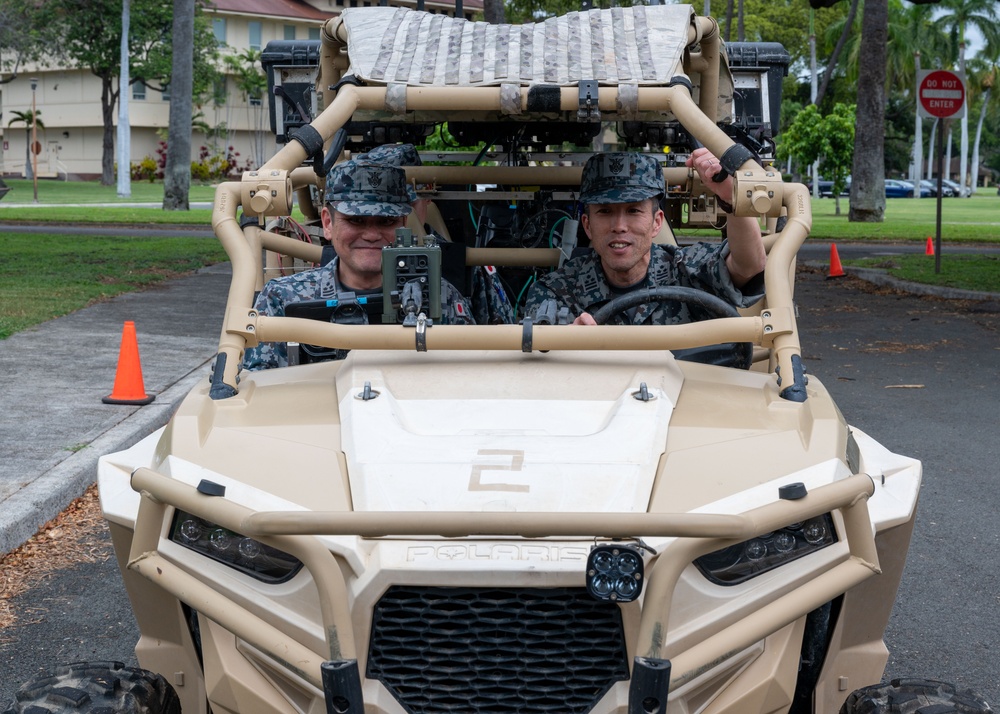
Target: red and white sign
{"x": 941, "y": 94}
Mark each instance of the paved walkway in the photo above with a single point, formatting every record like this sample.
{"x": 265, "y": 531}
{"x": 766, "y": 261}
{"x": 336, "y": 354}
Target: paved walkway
{"x": 54, "y": 424}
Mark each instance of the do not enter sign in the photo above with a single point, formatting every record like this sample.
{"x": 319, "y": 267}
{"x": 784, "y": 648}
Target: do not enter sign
{"x": 941, "y": 94}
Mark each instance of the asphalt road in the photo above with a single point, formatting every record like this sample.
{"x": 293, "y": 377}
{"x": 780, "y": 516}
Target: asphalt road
{"x": 862, "y": 345}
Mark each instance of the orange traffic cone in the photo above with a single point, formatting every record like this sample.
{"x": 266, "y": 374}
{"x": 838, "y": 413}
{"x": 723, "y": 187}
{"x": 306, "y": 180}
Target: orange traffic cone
{"x": 929, "y": 250}
{"x": 128, "y": 387}
{"x": 836, "y": 269}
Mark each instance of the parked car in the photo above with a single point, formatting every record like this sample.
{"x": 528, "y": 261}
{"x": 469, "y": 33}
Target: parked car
{"x": 826, "y": 188}
{"x": 956, "y": 188}
{"x": 895, "y": 188}
{"x": 932, "y": 186}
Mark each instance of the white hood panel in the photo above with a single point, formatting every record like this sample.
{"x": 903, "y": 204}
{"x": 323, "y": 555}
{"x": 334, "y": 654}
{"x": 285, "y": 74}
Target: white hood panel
{"x": 513, "y": 454}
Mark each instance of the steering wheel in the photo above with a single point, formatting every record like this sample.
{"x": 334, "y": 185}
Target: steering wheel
{"x": 732, "y": 354}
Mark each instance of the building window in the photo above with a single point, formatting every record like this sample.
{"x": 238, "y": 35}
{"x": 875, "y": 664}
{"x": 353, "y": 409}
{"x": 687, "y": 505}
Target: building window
{"x": 313, "y": 33}
{"x": 256, "y": 31}
{"x": 220, "y": 91}
{"x": 254, "y": 101}
{"x": 138, "y": 90}
{"x": 289, "y": 32}
{"x": 165, "y": 93}
{"x": 219, "y": 28}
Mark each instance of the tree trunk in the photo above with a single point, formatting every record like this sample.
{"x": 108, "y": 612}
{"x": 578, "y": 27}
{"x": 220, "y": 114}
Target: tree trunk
{"x": 177, "y": 173}
{"x": 963, "y": 162}
{"x": 729, "y": 20}
{"x": 931, "y": 149}
{"x": 108, "y": 100}
{"x": 979, "y": 134}
{"x": 868, "y": 172}
{"x": 740, "y": 29}
{"x": 493, "y": 12}
{"x": 835, "y": 57}
{"x": 918, "y": 137}
{"x": 27, "y": 154}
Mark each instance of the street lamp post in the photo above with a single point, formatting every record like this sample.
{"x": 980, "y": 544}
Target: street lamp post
{"x": 34, "y": 138}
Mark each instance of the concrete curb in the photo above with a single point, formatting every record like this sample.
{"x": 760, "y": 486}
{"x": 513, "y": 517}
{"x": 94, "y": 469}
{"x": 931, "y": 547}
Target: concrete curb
{"x": 46, "y": 496}
{"x": 880, "y": 277}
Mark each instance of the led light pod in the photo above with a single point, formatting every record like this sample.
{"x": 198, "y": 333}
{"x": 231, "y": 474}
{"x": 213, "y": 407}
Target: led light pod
{"x": 615, "y": 572}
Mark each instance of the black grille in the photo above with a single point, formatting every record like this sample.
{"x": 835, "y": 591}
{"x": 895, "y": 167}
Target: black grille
{"x": 496, "y": 651}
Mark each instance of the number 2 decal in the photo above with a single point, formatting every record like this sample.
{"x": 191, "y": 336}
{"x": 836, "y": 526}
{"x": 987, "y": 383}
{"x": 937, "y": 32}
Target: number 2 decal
{"x": 516, "y": 461}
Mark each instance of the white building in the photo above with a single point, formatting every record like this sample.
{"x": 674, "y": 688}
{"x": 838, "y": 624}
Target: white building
{"x": 69, "y": 104}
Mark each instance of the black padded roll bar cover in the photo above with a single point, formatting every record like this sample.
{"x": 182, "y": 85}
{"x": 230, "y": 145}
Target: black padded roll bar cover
{"x": 650, "y": 685}
{"x": 796, "y": 391}
{"x": 734, "y": 157}
{"x": 219, "y": 389}
{"x": 544, "y": 98}
{"x": 311, "y": 140}
{"x": 345, "y": 80}
{"x": 681, "y": 80}
{"x": 342, "y": 686}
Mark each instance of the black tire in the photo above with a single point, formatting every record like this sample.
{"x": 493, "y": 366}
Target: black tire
{"x": 914, "y": 696}
{"x": 96, "y": 688}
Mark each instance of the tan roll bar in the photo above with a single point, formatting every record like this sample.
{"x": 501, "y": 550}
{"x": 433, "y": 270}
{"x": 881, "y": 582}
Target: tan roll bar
{"x": 758, "y": 192}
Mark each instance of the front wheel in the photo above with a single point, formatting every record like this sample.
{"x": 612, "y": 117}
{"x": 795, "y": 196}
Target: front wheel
{"x": 914, "y": 696}
{"x": 96, "y": 687}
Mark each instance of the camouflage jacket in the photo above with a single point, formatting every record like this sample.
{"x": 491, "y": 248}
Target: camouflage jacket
{"x": 490, "y": 305}
{"x": 581, "y": 285}
{"x": 320, "y": 283}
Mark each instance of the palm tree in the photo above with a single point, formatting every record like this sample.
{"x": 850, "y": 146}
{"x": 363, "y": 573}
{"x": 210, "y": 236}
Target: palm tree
{"x": 919, "y": 31}
{"x": 30, "y": 120}
{"x": 847, "y": 26}
{"x": 984, "y": 70}
{"x": 252, "y": 83}
{"x": 957, "y": 17}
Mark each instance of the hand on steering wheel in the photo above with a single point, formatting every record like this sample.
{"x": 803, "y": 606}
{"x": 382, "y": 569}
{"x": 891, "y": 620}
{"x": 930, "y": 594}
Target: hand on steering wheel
{"x": 733, "y": 354}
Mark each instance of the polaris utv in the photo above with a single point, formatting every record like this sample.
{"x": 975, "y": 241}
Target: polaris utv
{"x": 530, "y": 517}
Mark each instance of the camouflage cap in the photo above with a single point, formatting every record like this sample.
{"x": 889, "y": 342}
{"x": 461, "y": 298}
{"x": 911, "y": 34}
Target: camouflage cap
{"x": 367, "y": 189}
{"x": 620, "y": 177}
{"x": 395, "y": 155}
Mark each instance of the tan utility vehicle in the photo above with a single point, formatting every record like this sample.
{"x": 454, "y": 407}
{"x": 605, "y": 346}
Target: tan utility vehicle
{"x": 531, "y": 517}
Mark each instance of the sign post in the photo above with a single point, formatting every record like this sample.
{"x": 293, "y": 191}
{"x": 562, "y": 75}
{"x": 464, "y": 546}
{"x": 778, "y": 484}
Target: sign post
{"x": 940, "y": 95}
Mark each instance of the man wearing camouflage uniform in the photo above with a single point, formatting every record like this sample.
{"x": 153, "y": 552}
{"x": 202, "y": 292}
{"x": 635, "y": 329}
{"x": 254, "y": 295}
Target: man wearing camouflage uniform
{"x": 621, "y": 193}
{"x": 490, "y": 305}
{"x": 365, "y": 204}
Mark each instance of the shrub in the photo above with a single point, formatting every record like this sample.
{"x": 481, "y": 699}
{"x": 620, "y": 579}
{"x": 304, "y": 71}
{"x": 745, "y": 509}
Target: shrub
{"x": 145, "y": 170}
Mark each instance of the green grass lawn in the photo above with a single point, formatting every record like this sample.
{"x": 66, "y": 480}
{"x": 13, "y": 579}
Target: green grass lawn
{"x": 971, "y": 220}
{"x": 963, "y": 220}
{"x": 966, "y": 272}
{"x": 45, "y": 276}
{"x": 55, "y": 191}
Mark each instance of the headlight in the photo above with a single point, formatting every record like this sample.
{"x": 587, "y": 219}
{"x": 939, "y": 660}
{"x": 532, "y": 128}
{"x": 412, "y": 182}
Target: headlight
{"x": 247, "y": 555}
{"x": 614, "y": 572}
{"x": 746, "y": 560}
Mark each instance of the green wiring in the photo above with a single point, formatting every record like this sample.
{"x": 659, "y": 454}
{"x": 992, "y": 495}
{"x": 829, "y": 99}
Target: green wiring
{"x": 472, "y": 215}
{"x": 521, "y": 294}
{"x": 554, "y": 226}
